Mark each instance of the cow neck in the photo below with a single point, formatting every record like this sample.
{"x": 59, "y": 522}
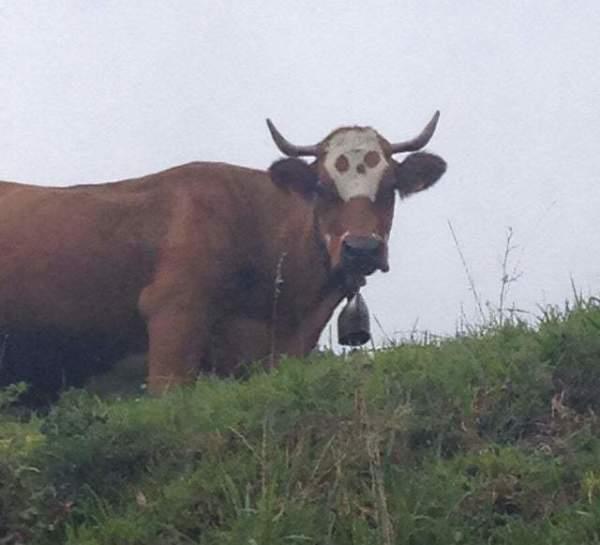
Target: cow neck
{"x": 320, "y": 245}
{"x": 305, "y": 256}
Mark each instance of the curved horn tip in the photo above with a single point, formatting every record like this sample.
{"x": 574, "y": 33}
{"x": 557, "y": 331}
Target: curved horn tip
{"x": 288, "y": 148}
{"x": 431, "y": 126}
{"x": 271, "y": 127}
{"x": 420, "y": 141}
{"x": 284, "y": 146}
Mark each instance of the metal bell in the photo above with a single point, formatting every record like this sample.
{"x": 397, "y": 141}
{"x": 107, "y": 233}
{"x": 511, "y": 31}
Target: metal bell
{"x": 353, "y": 322}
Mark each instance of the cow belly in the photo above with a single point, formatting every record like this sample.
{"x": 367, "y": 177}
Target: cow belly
{"x": 52, "y": 360}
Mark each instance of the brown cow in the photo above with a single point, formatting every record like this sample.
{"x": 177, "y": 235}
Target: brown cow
{"x": 207, "y": 265}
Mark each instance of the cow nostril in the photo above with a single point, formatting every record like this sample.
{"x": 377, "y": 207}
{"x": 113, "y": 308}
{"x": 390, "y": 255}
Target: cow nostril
{"x": 361, "y": 246}
{"x": 363, "y": 254}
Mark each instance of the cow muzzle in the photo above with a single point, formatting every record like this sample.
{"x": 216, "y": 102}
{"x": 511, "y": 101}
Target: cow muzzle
{"x": 363, "y": 254}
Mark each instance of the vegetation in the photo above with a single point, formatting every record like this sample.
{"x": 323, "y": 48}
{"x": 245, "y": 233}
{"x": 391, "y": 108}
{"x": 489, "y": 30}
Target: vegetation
{"x": 491, "y": 437}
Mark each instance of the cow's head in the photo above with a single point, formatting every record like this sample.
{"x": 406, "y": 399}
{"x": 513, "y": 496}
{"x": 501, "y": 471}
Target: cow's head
{"x": 353, "y": 182}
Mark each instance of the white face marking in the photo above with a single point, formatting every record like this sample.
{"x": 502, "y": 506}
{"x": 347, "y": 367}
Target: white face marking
{"x": 352, "y": 176}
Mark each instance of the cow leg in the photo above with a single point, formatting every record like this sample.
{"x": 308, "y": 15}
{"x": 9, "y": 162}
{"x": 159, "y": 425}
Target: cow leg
{"x": 239, "y": 341}
{"x": 177, "y": 338}
{"x": 176, "y": 310}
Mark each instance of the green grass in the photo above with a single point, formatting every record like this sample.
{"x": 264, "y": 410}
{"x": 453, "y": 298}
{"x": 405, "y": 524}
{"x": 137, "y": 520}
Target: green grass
{"x": 487, "y": 438}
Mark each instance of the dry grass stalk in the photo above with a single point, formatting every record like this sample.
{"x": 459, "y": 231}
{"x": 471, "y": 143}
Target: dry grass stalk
{"x": 277, "y": 283}
{"x": 467, "y": 272}
{"x": 372, "y": 439}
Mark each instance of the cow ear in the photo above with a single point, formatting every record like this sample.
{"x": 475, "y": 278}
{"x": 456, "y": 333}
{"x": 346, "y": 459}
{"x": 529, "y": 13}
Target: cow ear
{"x": 294, "y": 174}
{"x": 418, "y": 172}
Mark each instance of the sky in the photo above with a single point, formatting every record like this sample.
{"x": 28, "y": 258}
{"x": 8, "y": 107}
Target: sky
{"x": 107, "y": 90}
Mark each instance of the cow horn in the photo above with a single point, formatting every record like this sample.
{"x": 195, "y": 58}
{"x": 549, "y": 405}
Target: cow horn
{"x": 287, "y": 147}
{"x": 421, "y": 140}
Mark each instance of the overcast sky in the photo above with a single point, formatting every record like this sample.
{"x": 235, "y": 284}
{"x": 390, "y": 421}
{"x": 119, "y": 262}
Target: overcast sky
{"x": 102, "y": 90}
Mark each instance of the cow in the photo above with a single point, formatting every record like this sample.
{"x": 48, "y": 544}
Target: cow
{"x": 205, "y": 265}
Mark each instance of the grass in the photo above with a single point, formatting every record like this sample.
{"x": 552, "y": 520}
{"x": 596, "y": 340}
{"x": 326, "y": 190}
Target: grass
{"x": 491, "y": 437}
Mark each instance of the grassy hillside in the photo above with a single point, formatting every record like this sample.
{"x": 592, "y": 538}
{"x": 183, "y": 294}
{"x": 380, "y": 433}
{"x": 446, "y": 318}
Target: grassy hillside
{"x": 488, "y": 438}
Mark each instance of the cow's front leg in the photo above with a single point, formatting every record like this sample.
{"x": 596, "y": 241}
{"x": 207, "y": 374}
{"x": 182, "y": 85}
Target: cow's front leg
{"x": 176, "y": 310}
{"x": 177, "y": 337}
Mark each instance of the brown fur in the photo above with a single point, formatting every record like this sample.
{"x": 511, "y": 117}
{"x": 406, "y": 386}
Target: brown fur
{"x": 191, "y": 253}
